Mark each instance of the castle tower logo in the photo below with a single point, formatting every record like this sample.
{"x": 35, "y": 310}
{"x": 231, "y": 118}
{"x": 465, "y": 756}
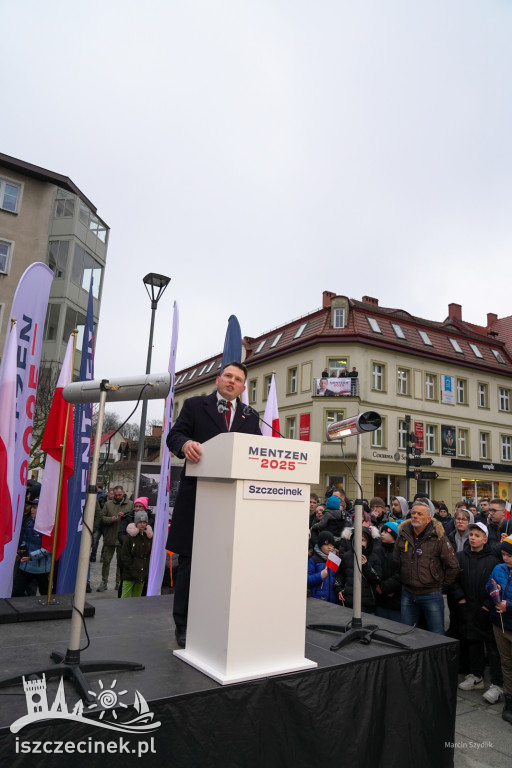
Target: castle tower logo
{"x": 109, "y": 699}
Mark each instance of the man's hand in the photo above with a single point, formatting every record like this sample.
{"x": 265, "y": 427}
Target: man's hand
{"x": 192, "y": 451}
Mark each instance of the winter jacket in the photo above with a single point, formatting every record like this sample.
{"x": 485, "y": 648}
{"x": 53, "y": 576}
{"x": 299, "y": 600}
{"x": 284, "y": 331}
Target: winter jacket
{"x": 437, "y": 566}
{"x": 390, "y": 585}
{"x": 111, "y": 526}
{"x": 371, "y": 574}
{"x": 475, "y": 570}
{"x": 333, "y": 520}
{"x": 448, "y": 523}
{"x": 322, "y": 589}
{"x": 135, "y": 553}
{"x": 457, "y": 541}
{"x": 125, "y": 521}
{"x": 502, "y": 575}
{"x": 40, "y": 558}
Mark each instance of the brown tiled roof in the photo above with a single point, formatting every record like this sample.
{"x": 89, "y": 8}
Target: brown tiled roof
{"x": 318, "y": 329}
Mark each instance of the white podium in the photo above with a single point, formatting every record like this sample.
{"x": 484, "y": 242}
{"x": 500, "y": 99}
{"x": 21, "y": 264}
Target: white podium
{"x": 247, "y": 610}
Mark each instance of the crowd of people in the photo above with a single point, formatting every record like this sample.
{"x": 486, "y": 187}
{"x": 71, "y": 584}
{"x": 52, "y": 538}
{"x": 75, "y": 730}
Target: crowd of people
{"x": 417, "y": 557}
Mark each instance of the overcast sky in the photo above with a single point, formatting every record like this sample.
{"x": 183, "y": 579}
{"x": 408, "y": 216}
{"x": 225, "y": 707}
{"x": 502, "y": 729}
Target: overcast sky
{"x": 261, "y": 152}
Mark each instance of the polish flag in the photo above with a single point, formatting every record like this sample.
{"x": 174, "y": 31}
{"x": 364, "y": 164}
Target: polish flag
{"x": 52, "y": 444}
{"x": 7, "y": 436}
{"x": 507, "y": 510}
{"x": 271, "y": 413}
{"x": 333, "y": 561}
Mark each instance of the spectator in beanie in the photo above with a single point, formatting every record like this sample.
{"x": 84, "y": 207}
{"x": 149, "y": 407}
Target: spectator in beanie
{"x": 135, "y": 555}
{"x": 320, "y": 577}
{"x": 377, "y": 512}
{"x": 333, "y": 519}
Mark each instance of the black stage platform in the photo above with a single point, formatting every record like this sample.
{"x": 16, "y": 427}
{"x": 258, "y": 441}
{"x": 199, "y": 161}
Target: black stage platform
{"x": 365, "y": 706}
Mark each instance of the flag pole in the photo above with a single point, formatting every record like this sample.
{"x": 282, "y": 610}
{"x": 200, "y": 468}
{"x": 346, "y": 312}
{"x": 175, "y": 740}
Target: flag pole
{"x": 61, "y": 477}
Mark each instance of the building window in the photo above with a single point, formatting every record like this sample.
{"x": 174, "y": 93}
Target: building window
{"x": 430, "y": 386}
{"x": 398, "y": 331}
{"x": 378, "y": 437}
{"x": 331, "y": 417}
{"x": 402, "y": 435}
{"x": 64, "y": 205}
{"x": 92, "y": 223}
{"x": 9, "y": 195}
{"x": 252, "y": 390}
{"x": 378, "y": 377}
{"x": 339, "y": 318}
{"x": 300, "y": 331}
{"x": 461, "y": 392}
{"x": 430, "y": 438}
{"x": 210, "y": 366}
{"x": 455, "y": 344}
{"x": 83, "y": 267}
{"x": 374, "y": 325}
{"x": 276, "y": 340}
{"x": 6, "y": 247}
{"x": 462, "y": 437}
{"x": 498, "y": 356}
{"x": 192, "y": 374}
{"x": 335, "y": 366}
{"x": 74, "y": 319}
{"x": 425, "y": 338}
{"x": 504, "y": 399}
{"x": 482, "y": 395}
{"x": 52, "y": 322}
{"x": 58, "y": 257}
{"x": 476, "y": 351}
{"x": 292, "y": 381}
{"x": 484, "y": 445}
{"x": 506, "y": 448}
{"x": 260, "y": 346}
{"x": 403, "y": 381}
{"x": 291, "y": 427}
{"x": 266, "y": 386}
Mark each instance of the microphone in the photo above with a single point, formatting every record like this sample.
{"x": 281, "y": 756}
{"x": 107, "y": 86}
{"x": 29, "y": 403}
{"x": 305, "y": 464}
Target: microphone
{"x": 250, "y": 411}
{"x": 222, "y": 406}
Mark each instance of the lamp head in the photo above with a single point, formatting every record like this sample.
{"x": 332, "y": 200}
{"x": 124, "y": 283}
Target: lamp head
{"x": 356, "y": 425}
{"x": 155, "y": 286}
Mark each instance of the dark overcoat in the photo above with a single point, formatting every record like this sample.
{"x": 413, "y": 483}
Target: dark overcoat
{"x": 198, "y": 420}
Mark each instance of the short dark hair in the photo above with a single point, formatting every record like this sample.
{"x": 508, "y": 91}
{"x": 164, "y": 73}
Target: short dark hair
{"x": 236, "y": 364}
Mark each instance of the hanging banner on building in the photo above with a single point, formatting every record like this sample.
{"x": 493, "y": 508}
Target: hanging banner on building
{"x": 29, "y": 308}
{"x": 448, "y": 390}
{"x": 331, "y": 387}
{"x": 448, "y": 440}
{"x": 419, "y": 432}
{"x": 304, "y": 426}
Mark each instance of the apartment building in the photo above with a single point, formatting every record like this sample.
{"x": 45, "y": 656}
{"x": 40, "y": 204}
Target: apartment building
{"x": 45, "y": 217}
{"x": 452, "y": 378}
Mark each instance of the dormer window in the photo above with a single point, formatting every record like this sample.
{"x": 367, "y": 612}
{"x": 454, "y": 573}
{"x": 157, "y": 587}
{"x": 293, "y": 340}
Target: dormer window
{"x": 498, "y": 356}
{"x": 276, "y": 340}
{"x": 476, "y": 351}
{"x": 374, "y": 325}
{"x": 300, "y": 331}
{"x": 398, "y": 331}
{"x": 455, "y": 344}
{"x": 425, "y": 338}
{"x": 260, "y": 346}
{"x": 338, "y": 320}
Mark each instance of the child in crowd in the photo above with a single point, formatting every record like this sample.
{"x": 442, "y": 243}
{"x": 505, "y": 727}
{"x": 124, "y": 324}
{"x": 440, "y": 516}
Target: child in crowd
{"x": 499, "y": 587}
{"x": 34, "y": 560}
{"x": 135, "y": 555}
{"x": 474, "y": 607}
{"x": 320, "y": 577}
{"x": 370, "y": 570}
{"x": 389, "y": 590}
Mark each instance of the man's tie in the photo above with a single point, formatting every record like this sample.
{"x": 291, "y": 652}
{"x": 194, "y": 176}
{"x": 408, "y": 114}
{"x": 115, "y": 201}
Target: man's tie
{"x": 227, "y": 415}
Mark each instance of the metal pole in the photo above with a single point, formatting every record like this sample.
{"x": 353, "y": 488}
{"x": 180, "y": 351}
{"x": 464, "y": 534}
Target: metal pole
{"x": 142, "y": 429}
{"x": 73, "y": 652}
{"x": 358, "y": 540}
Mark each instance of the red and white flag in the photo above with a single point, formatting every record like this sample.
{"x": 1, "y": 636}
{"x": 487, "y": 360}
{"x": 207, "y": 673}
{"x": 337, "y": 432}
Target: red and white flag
{"x": 7, "y": 436}
{"x": 333, "y": 561}
{"x": 271, "y": 413}
{"x": 52, "y": 444}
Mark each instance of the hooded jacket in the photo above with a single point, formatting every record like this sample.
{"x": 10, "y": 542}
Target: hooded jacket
{"x": 435, "y": 568}
{"x": 135, "y": 553}
{"x": 475, "y": 570}
{"x": 371, "y": 571}
{"x": 502, "y": 575}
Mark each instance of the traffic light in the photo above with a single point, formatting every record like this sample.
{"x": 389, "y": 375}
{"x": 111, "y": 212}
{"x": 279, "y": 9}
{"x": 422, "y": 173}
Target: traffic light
{"x": 413, "y": 458}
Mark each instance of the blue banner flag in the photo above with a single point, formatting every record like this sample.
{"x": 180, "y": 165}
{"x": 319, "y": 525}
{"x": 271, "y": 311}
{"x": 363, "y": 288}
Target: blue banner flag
{"x": 232, "y": 343}
{"x": 79, "y": 480}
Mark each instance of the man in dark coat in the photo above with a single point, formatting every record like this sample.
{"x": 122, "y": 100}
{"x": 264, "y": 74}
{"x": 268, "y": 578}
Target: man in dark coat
{"x": 201, "y": 419}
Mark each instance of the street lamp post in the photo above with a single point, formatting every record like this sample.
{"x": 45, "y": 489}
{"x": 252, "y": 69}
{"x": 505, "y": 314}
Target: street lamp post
{"x": 155, "y": 286}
